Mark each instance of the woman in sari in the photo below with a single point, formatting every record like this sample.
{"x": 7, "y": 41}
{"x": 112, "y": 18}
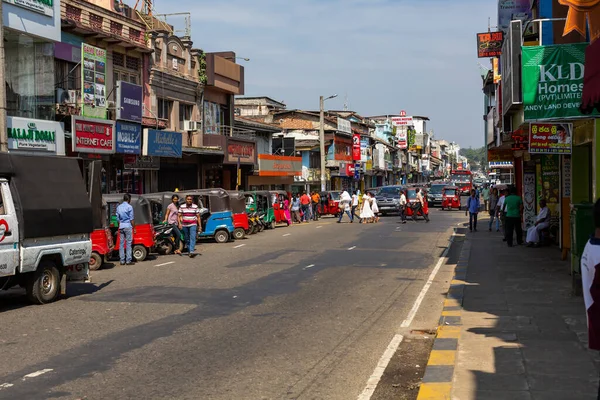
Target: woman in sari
{"x": 286, "y": 211}
{"x": 366, "y": 214}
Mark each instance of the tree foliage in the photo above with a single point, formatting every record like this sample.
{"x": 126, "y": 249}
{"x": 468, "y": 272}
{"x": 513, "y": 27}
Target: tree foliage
{"x": 474, "y": 156}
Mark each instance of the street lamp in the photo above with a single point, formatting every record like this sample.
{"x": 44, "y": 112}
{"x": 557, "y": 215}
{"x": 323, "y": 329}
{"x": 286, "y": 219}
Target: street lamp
{"x": 237, "y": 58}
{"x": 322, "y": 138}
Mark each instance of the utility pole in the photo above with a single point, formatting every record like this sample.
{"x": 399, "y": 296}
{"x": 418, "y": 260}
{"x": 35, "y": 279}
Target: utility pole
{"x": 3, "y": 133}
{"x": 322, "y": 141}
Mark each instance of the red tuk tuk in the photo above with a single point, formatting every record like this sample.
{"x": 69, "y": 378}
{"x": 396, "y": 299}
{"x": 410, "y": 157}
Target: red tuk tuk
{"x": 102, "y": 241}
{"x": 143, "y": 236}
{"x": 330, "y": 203}
{"x": 240, "y": 217}
{"x": 450, "y": 197}
{"x": 411, "y": 198}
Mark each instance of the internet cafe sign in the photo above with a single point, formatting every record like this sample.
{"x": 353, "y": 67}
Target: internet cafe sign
{"x": 33, "y": 135}
{"x": 553, "y": 80}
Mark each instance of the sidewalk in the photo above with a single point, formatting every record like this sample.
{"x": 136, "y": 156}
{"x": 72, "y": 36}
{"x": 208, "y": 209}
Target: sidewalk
{"x": 523, "y": 335}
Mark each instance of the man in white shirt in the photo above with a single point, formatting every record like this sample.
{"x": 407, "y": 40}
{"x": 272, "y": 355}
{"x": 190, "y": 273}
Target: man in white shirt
{"x": 402, "y": 204}
{"x": 499, "y": 211}
{"x": 354, "y": 204}
{"x": 590, "y": 282}
{"x": 541, "y": 222}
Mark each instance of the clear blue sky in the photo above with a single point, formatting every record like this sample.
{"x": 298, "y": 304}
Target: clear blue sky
{"x": 384, "y": 55}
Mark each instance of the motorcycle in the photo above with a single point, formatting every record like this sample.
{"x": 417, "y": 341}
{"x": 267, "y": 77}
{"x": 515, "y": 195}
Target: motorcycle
{"x": 165, "y": 239}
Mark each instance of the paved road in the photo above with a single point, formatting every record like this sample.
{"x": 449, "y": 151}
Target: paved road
{"x": 299, "y": 312}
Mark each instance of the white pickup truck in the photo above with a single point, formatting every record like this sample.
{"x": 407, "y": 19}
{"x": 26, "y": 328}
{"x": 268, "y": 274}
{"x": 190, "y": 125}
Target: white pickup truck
{"x": 45, "y": 225}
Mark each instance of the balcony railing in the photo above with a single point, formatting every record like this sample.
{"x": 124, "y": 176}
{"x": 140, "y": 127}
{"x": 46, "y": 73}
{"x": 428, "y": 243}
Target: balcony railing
{"x": 227, "y": 130}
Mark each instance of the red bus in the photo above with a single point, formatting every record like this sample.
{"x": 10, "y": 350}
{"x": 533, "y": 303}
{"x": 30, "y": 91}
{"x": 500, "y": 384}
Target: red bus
{"x": 463, "y": 179}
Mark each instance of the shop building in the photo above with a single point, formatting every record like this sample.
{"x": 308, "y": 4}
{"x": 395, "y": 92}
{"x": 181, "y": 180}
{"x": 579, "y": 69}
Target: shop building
{"x": 31, "y": 30}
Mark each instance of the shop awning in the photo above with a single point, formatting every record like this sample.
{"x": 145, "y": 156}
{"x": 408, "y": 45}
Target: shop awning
{"x": 590, "y": 99}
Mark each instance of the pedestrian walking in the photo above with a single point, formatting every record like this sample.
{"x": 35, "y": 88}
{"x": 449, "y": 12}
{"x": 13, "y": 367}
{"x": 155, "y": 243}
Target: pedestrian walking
{"x": 485, "y": 192}
{"x": 590, "y": 281}
{"x": 366, "y": 214}
{"x": 354, "y": 204}
{"x": 419, "y": 206}
{"x": 125, "y": 217}
{"x": 493, "y": 203}
{"x": 500, "y": 212}
{"x": 296, "y": 210}
{"x": 305, "y": 206}
{"x": 345, "y": 204}
{"x": 189, "y": 222}
{"x": 172, "y": 219}
{"x": 513, "y": 206}
{"x": 316, "y": 199}
{"x": 374, "y": 207}
{"x": 541, "y": 222}
{"x": 286, "y": 210}
{"x": 402, "y": 203}
{"x": 473, "y": 205}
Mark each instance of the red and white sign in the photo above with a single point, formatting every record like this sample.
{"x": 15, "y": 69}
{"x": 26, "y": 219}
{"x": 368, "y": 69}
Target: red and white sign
{"x": 403, "y": 113}
{"x": 90, "y": 135}
{"x": 349, "y": 169}
{"x": 356, "y": 147}
{"x": 402, "y": 121}
{"x": 402, "y": 139}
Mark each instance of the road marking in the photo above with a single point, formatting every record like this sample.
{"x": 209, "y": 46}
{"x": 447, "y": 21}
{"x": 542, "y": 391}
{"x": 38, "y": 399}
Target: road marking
{"x": 287, "y": 234}
{"x": 238, "y": 246}
{"x": 397, "y": 339}
{"x": 167, "y": 263}
{"x": 309, "y": 266}
{"x": 380, "y": 368}
{"x": 351, "y": 248}
{"x": 320, "y": 226}
{"x": 37, "y": 373}
{"x": 6, "y": 385}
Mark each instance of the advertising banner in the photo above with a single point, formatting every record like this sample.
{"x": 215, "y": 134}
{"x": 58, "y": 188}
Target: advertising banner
{"x": 364, "y": 149}
{"x": 141, "y": 162}
{"x": 553, "y": 81}
{"x": 356, "y": 149}
{"x": 510, "y": 10}
{"x": 496, "y": 68}
{"x": 344, "y": 125}
{"x": 550, "y": 138}
{"x": 500, "y": 155}
{"x": 45, "y": 7}
{"x": 91, "y": 135}
{"x": 129, "y": 102}
{"x": 349, "y": 169}
{"x": 402, "y": 134}
{"x": 489, "y": 44}
{"x": 243, "y": 152}
{"x": 162, "y": 143}
{"x": 343, "y": 149}
{"x": 550, "y": 188}
{"x": 269, "y": 165}
{"x": 402, "y": 121}
{"x": 128, "y": 138}
{"x": 93, "y": 79}
{"x": 34, "y": 135}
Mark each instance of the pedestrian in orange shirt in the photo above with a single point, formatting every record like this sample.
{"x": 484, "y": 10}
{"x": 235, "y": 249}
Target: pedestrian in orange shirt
{"x": 316, "y": 199}
{"x": 305, "y": 204}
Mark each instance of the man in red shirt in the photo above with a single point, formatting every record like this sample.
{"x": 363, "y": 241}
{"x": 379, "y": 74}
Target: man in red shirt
{"x": 305, "y": 204}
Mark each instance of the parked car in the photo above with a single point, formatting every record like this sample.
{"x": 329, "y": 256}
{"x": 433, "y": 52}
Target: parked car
{"x": 388, "y": 199}
{"x": 434, "y": 196}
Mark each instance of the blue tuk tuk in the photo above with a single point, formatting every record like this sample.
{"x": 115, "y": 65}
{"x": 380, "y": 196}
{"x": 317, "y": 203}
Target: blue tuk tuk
{"x": 216, "y": 213}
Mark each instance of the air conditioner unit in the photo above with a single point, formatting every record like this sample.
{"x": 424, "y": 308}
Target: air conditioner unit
{"x": 61, "y": 96}
{"x": 190, "y": 125}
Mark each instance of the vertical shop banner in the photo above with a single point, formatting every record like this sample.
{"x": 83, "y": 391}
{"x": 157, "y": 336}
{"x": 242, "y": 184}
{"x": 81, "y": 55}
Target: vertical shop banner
{"x": 364, "y": 149}
{"x": 129, "y": 102}
{"x": 162, "y": 143}
{"x": 566, "y": 177}
{"x": 93, "y": 81}
{"x": 91, "y": 135}
{"x": 553, "y": 81}
{"x": 356, "y": 147}
{"x": 510, "y": 10}
{"x": 489, "y": 44}
{"x": 529, "y": 213}
{"x": 550, "y": 138}
{"x": 550, "y": 188}
{"x": 128, "y": 138}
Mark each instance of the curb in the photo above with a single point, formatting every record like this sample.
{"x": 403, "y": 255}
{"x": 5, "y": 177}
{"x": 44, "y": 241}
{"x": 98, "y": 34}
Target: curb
{"x": 437, "y": 381}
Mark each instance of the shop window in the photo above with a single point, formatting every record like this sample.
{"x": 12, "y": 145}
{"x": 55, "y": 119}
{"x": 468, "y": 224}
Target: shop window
{"x": 132, "y": 63}
{"x": 118, "y": 59}
{"x": 164, "y": 109}
{"x": 67, "y": 75}
{"x": 185, "y": 113}
{"x": 30, "y": 77}
{"x": 314, "y": 160}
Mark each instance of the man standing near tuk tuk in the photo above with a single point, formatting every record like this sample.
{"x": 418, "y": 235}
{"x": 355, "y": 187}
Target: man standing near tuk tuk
{"x": 316, "y": 199}
{"x": 189, "y": 221}
{"x": 126, "y": 229}
{"x": 172, "y": 218}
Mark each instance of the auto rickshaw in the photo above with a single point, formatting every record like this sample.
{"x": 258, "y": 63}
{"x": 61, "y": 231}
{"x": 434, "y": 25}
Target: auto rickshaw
{"x": 256, "y": 224}
{"x": 278, "y": 201}
{"x": 240, "y": 216}
{"x": 330, "y": 203}
{"x": 264, "y": 207}
{"x": 158, "y": 205}
{"x": 450, "y": 198}
{"x": 411, "y": 198}
{"x": 143, "y": 236}
{"x": 216, "y": 214}
{"x": 102, "y": 240}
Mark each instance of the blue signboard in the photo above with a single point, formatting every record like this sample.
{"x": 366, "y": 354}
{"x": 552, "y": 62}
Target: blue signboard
{"x": 128, "y": 138}
{"x": 162, "y": 143}
{"x": 357, "y": 171}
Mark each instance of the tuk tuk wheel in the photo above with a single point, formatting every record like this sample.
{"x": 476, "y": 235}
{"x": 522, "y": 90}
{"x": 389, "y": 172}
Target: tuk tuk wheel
{"x": 139, "y": 253}
{"x": 44, "y": 285}
{"x": 95, "y": 262}
{"x": 239, "y": 233}
{"x": 222, "y": 236}
{"x": 271, "y": 225}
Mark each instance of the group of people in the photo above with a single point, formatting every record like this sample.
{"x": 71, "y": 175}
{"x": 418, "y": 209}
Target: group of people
{"x": 367, "y": 206}
{"x": 505, "y": 208}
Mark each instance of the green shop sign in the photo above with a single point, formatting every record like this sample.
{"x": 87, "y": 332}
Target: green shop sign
{"x": 34, "y": 135}
{"x": 553, "y": 81}
{"x": 45, "y": 7}
{"x": 31, "y": 133}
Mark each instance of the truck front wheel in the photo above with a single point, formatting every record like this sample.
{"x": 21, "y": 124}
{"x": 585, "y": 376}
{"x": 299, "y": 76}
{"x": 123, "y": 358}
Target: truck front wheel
{"x": 44, "y": 286}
